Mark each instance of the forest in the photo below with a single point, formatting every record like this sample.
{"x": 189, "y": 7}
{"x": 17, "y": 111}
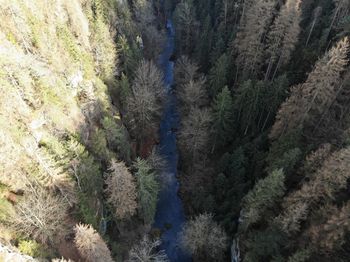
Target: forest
{"x": 258, "y": 92}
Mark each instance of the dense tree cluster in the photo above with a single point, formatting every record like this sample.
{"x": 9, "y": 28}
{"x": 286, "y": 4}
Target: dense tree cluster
{"x": 263, "y": 93}
{"x": 270, "y": 159}
{"x": 81, "y": 100}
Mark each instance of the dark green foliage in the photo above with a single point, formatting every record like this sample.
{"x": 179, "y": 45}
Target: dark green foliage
{"x": 148, "y": 189}
{"x": 278, "y": 148}
{"x": 222, "y": 118}
{"x": 230, "y": 186}
{"x": 218, "y": 75}
{"x": 124, "y": 89}
{"x": 264, "y": 196}
{"x": 204, "y": 44}
{"x": 99, "y": 145}
{"x": 117, "y": 138}
{"x": 264, "y": 245}
{"x": 288, "y": 161}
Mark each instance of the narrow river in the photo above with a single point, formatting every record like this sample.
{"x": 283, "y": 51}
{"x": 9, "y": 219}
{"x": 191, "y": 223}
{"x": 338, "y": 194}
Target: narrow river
{"x": 170, "y": 214}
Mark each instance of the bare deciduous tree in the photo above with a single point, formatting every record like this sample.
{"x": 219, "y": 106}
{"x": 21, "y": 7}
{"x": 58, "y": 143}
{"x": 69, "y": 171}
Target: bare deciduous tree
{"x": 40, "y": 215}
{"x": 202, "y": 236}
{"x": 194, "y": 133}
{"x": 193, "y": 93}
{"x": 145, "y": 103}
{"x": 90, "y": 244}
{"x": 147, "y": 251}
{"x": 331, "y": 234}
{"x": 121, "y": 190}
{"x": 185, "y": 71}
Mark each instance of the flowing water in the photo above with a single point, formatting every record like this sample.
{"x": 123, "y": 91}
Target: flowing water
{"x": 170, "y": 214}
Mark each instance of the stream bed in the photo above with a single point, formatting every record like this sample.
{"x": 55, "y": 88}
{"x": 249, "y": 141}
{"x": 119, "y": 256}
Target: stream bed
{"x": 170, "y": 214}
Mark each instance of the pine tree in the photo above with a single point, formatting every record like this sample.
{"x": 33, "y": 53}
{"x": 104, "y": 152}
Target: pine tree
{"x": 218, "y": 75}
{"x": 249, "y": 104}
{"x": 90, "y": 244}
{"x": 186, "y": 26}
{"x": 204, "y": 45}
{"x": 222, "y": 117}
{"x": 310, "y": 100}
{"x": 265, "y": 194}
{"x": 148, "y": 189}
{"x": 121, "y": 190}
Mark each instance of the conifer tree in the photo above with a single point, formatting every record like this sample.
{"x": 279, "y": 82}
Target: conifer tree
{"x": 121, "y": 190}
{"x": 218, "y": 75}
{"x": 90, "y": 244}
{"x": 204, "y": 45}
{"x": 186, "y": 26}
{"x": 222, "y": 117}
{"x": 308, "y": 101}
{"x": 148, "y": 188}
{"x": 265, "y": 194}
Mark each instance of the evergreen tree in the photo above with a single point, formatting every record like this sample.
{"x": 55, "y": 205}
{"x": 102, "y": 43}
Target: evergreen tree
{"x": 218, "y": 75}
{"x": 222, "y": 117}
{"x": 204, "y": 44}
{"x": 148, "y": 188}
{"x": 186, "y": 26}
{"x": 265, "y": 194}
